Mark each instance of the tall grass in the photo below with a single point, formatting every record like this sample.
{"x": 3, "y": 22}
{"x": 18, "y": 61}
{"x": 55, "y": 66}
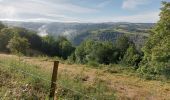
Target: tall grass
{"x": 70, "y": 87}
{"x": 29, "y": 77}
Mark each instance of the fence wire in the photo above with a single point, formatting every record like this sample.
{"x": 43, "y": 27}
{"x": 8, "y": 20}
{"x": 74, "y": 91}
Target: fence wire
{"x": 36, "y": 76}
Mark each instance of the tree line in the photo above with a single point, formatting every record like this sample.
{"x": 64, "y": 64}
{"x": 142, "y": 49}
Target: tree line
{"x": 19, "y": 40}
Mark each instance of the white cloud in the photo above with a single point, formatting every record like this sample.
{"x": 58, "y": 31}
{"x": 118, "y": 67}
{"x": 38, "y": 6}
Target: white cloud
{"x": 132, "y": 4}
{"x": 7, "y": 12}
{"x": 151, "y": 17}
{"x": 41, "y": 9}
{"x": 146, "y": 17}
{"x": 104, "y": 3}
{"x": 59, "y": 10}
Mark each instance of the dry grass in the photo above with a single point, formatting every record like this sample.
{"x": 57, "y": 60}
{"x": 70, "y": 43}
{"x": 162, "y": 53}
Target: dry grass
{"x": 127, "y": 87}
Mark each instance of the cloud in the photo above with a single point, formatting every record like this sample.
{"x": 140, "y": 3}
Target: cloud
{"x": 8, "y": 12}
{"x": 104, "y": 3}
{"x": 151, "y": 17}
{"x": 63, "y": 11}
{"x": 145, "y": 17}
{"x": 54, "y": 10}
{"x": 132, "y": 4}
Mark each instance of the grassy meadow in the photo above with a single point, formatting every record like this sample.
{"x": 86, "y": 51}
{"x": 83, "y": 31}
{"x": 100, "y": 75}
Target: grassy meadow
{"x": 29, "y": 78}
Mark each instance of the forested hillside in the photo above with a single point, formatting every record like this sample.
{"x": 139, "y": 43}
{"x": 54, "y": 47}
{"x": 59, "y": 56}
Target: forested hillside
{"x": 19, "y": 40}
{"x": 77, "y": 32}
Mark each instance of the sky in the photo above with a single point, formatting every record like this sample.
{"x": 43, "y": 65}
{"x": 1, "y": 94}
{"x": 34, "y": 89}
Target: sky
{"x": 96, "y": 11}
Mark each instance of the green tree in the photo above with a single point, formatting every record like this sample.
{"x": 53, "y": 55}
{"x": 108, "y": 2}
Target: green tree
{"x": 18, "y": 45}
{"x": 2, "y": 26}
{"x": 33, "y": 38}
{"x": 61, "y": 47}
{"x": 122, "y": 44}
{"x": 83, "y": 50}
{"x": 50, "y": 46}
{"x": 102, "y": 52}
{"x": 157, "y": 48}
{"x": 5, "y": 35}
{"x": 95, "y": 51}
{"x": 65, "y": 47}
{"x": 131, "y": 57}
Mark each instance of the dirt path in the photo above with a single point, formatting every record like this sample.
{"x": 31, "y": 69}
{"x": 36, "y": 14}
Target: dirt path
{"x": 126, "y": 87}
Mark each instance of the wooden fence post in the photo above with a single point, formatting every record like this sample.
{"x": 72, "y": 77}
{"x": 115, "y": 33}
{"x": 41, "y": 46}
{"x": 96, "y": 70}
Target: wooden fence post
{"x": 53, "y": 81}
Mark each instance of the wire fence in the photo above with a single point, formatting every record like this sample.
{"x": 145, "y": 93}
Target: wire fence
{"x": 47, "y": 80}
{"x": 26, "y": 72}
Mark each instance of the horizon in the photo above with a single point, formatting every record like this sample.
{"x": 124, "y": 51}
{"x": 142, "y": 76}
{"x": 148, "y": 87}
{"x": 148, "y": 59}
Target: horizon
{"x": 22, "y": 21}
{"x": 74, "y": 11}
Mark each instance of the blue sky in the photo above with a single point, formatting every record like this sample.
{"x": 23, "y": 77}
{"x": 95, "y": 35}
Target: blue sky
{"x": 81, "y": 10}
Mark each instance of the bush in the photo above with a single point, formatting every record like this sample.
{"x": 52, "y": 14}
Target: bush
{"x": 93, "y": 64}
{"x": 18, "y": 45}
{"x": 131, "y": 57}
{"x": 100, "y": 52}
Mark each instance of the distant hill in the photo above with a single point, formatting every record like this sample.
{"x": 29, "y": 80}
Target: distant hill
{"x": 57, "y": 28}
{"x": 77, "y": 32}
{"x": 137, "y": 32}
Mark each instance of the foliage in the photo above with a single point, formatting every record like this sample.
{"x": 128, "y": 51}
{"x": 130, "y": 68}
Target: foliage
{"x": 101, "y": 52}
{"x": 48, "y": 45}
{"x": 131, "y": 57}
{"x": 107, "y": 52}
{"x": 65, "y": 46}
{"x": 57, "y": 47}
{"x": 21, "y": 84}
{"x": 122, "y": 45}
{"x": 2, "y": 26}
{"x": 18, "y": 45}
{"x": 5, "y": 35}
{"x": 157, "y": 48}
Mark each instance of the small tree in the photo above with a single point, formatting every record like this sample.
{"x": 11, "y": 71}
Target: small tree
{"x": 131, "y": 57}
{"x": 18, "y": 45}
{"x": 65, "y": 47}
{"x": 5, "y": 35}
{"x": 122, "y": 44}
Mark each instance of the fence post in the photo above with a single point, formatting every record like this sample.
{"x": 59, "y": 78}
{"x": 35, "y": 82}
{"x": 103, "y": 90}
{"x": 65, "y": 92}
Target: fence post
{"x": 53, "y": 81}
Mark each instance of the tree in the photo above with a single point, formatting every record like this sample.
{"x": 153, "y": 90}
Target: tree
{"x": 57, "y": 47}
{"x": 33, "y": 38}
{"x": 50, "y": 46}
{"x": 102, "y": 52}
{"x": 66, "y": 48}
{"x": 82, "y": 51}
{"x": 131, "y": 57}
{"x": 2, "y": 26}
{"x": 18, "y": 45}
{"x": 5, "y": 35}
{"x": 122, "y": 44}
{"x": 157, "y": 48}
{"x": 95, "y": 51}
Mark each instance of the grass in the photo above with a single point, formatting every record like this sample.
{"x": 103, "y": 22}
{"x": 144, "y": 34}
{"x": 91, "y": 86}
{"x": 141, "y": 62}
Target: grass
{"x": 78, "y": 82}
{"x": 72, "y": 88}
{"x": 22, "y": 73}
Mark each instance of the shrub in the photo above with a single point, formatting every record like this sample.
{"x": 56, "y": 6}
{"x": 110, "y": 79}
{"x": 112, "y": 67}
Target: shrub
{"x": 93, "y": 64}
